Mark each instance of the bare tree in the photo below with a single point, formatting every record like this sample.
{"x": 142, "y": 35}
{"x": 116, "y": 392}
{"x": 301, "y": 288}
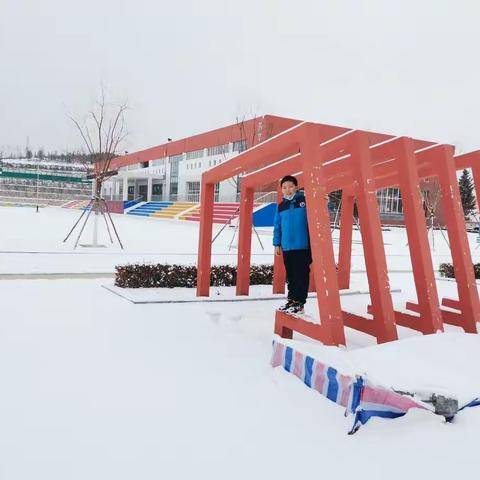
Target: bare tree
{"x": 431, "y": 199}
{"x": 260, "y": 132}
{"x": 102, "y": 131}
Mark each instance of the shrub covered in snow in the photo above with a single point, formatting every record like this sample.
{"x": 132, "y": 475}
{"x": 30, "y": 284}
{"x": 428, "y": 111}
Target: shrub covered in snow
{"x": 170, "y": 276}
{"x": 446, "y": 270}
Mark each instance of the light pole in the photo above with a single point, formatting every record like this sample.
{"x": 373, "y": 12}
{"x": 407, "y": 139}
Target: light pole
{"x": 38, "y": 175}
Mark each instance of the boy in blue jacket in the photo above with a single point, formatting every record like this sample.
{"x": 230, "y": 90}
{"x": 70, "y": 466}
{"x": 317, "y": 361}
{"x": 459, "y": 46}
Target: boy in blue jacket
{"x": 290, "y": 237}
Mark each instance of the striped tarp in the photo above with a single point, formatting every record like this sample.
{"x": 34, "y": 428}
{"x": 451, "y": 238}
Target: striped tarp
{"x": 356, "y": 394}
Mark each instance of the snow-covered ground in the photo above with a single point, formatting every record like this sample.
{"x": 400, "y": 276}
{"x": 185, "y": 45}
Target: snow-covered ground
{"x": 32, "y": 243}
{"x": 94, "y": 386}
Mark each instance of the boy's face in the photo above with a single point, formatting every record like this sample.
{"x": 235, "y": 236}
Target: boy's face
{"x": 288, "y": 189}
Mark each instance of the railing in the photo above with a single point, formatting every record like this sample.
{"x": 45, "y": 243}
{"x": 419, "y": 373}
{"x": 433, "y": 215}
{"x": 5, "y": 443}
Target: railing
{"x": 265, "y": 197}
{"x": 43, "y": 188}
{"x": 41, "y": 200}
{"x": 259, "y": 197}
{"x": 114, "y": 198}
{"x": 44, "y": 195}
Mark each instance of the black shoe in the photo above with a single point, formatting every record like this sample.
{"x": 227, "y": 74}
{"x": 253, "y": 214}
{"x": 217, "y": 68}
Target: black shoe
{"x": 285, "y": 307}
{"x": 296, "y": 309}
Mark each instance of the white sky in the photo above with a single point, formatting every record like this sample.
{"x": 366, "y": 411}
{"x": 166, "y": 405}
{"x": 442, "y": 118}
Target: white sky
{"x": 186, "y": 66}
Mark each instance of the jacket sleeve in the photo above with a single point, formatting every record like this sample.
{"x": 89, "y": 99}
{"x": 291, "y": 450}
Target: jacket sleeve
{"x": 277, "y": 229}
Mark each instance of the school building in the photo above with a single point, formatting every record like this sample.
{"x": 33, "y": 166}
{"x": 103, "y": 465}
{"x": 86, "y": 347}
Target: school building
{"x": 171, "y": 172}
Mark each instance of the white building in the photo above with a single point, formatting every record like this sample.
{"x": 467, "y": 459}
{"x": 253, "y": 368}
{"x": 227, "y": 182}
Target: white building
{"x": 173, "y": 171}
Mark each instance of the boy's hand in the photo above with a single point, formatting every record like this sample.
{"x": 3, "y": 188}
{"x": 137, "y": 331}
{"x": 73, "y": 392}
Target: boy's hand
{"x": 278, "y": 250}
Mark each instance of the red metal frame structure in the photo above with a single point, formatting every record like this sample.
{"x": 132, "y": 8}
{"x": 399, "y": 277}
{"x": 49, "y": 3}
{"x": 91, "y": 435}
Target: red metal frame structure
{"x": 358, "y": 163}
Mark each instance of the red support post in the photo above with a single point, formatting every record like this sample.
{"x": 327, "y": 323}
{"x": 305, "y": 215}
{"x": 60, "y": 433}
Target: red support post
{"x": 316, "y": 194}
{"x": 244, "y": 240}
{"x": 345, "y": 241}
{"x": 205, "y": 239}
{"x": 371, "y": 231}
{"x": 279, "y": 273}
{"x": 457, "y": 234}
{"x": 414, "y": 217}
{"x": 476, "y": 181}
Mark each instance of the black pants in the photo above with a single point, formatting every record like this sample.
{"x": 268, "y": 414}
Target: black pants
{"x": 297, "y": 264}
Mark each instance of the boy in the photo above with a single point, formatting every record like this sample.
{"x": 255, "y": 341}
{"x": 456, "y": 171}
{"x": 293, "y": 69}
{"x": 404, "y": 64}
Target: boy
{"x": 290, "y": 236}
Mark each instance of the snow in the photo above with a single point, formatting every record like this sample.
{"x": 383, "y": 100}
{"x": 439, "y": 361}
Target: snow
{"x": 32, "y": 243}
{"x": 94, "y": 386}
{"x": 41, "y": 162}
{"x": 218, "y": 294}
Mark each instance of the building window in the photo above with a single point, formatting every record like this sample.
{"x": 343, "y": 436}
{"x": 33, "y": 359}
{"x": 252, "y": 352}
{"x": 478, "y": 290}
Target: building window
{"x": 390, "y": 200}
{"x": 193, "y": 191}
{"x": 134, "y": 166}
{"x": 194, "y": 154}
{"x": 176, "y": 158}
{"x": 158, "y": 163}
{"x": 240, "y": 146}
{"x": 218, "y": 150}
{"x": 157, "y": 192}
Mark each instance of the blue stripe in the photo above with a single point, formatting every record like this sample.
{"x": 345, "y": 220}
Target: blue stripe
{"x": 473, "y": 403}
{"x": 356, "y": 394}
{"x": 332, "y": 384}
{"x": 288, "y": 358}
{"x": 363, "y": 416}
{"x": 308, "y": 370}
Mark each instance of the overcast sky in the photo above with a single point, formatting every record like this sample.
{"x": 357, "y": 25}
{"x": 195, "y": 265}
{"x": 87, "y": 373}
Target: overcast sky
{"x": 186, "y": 66}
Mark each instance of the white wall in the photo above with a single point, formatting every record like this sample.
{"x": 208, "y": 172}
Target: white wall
{"x": 190, "y": 171}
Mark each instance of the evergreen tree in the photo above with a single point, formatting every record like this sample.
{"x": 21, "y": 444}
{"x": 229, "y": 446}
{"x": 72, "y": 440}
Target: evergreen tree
{"x": 465, "y": 184}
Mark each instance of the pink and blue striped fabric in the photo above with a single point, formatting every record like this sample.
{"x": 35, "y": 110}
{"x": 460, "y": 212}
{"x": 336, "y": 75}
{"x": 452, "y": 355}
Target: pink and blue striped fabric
{"x": 357, "y": 395}
{"x": 370, "y": 400}
{"x": 326, "y": 380}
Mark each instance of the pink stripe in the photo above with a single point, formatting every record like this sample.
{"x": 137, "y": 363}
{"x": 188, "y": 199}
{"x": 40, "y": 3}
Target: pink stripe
{"x": 345, "y": 383}
{"x": 319, "y": 376}
{"x": 298, "y": 367}
{"x": 278, "y": 354}
{"x": 385, "y": 397}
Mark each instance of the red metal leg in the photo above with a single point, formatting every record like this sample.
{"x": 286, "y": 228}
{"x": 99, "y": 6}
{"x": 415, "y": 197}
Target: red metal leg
{"x": 457, "y": 234}
{"x": 205, "y": 240}
{"x": 345, "y": 242}
{"x": 414, "y": 217}
{"x": 279, "y": 273}
{"x": 328, "y": 295}
{"x": 371, "y": 231}
{"x": 244, "y": 241}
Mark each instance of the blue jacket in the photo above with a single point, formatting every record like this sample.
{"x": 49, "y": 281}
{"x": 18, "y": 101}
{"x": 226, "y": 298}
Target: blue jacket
{"x": 290, "y": 227}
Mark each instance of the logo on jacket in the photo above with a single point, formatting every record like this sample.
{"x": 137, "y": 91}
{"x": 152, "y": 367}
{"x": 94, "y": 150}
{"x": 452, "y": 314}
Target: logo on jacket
{"x": 302, "y": 204}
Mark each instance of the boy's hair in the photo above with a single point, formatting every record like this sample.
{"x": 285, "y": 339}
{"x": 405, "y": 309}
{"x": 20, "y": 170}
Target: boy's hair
{"x": 289, "y": 178}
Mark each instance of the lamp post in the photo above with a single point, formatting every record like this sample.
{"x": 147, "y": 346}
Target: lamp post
{"x": 38, "y": 175}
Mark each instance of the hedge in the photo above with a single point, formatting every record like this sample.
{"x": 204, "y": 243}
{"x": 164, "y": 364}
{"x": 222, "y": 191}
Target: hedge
{"x": 170, "y": 276}
{"x": 446, "y": 270}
